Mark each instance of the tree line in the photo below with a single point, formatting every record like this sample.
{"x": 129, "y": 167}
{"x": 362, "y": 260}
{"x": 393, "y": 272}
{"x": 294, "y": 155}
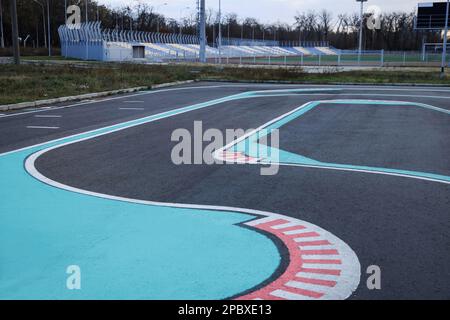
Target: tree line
{"x": 396, "y": 33}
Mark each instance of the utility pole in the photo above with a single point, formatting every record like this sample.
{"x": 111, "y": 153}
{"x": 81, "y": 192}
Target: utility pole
{"x": 2, "y": 35}
{"x": 361, "y": 27}
{"x": 15, "y": 32}
{"x": 202, "y": 32}
{"x": 444, "y": 48}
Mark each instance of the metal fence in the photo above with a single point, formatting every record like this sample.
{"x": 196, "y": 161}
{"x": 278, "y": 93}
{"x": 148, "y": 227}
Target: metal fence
{"x": 341, "y": 59}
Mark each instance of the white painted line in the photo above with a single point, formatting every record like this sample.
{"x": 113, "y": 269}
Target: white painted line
{"x": 289, "y": 295}
{"x": 317, "y": 276}
{"x": 131, "y": 109}
{"x": 311, "y": 238}
{"x": 351, "y": 269}
{"x": 261, "y": 221}
{"x": 293, "y": 232}
{"x": 319, "y": 265}
{"x": 312, "y": 247}
{"x": 149, "y": 92}
{"x": 320, "y": 256}
{"x": 41, "y": 127}
{"x": 47, "y": 116}
{"x": 324, "y": 167}
{"x": 349, "y": 87}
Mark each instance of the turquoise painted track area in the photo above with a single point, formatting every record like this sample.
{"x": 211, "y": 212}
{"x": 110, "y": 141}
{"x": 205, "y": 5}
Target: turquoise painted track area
{"x": 125, "y": 250}
{"x": 65, "y": 205}
{"x": 251, "y": 146}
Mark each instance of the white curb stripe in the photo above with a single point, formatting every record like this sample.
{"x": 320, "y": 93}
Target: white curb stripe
{"x": 289, "y": 295}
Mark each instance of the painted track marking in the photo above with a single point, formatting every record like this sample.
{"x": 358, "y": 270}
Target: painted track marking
{"x": 350, "y": 263}
{"x": 306, "y": 278}
{"x": 330, "y": 166}
{"x": 314, "y": 257}
{"x": 42, "y": 127}
{"x": 47, "y": 116}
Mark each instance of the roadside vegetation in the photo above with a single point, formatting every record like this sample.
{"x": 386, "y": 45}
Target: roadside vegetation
{"x": 31, "y": 82}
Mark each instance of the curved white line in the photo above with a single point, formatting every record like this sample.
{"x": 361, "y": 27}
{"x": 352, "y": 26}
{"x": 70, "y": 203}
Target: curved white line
{"x": 356, "y": 88}
{"x": 218, "y": 153}
{"x": 350, "y": 267}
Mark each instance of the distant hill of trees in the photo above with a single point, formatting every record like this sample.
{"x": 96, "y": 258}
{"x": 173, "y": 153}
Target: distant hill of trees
{"x": 396, "y": 33}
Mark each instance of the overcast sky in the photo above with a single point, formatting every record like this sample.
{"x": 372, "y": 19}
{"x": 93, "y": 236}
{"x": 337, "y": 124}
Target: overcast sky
{"x": 268, "y": 10}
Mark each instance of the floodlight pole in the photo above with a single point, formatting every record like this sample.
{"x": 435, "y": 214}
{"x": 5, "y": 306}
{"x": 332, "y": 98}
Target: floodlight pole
{"x": 15, "y": 32}
{"x": 361, "y": 27}
{"x": 220, "y": 31}
{"x": 2, "y": 35}
{"x": 86, "y": 34}
{"x": 444, "y": 48}
{"x": 49, "y": 31}
{"x": 202, "y": 32}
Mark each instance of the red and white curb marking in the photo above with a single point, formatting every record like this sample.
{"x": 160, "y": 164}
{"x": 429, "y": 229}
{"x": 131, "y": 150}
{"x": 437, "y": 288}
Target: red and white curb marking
{"x": 321, "y": 266}
{"x": 235, "y": 157}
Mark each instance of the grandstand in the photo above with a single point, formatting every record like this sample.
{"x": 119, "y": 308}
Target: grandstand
{"x": 90, "y": 42}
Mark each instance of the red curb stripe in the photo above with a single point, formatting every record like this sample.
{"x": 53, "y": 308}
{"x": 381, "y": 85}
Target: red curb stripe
{"x": 303, "y": 292}
{"x": 303, "y": 281}
{"x": 322, "y": 261}
{"x": 314, "y": 243}
{"x": 305, "y": 235}
{"x": 320, "y": 252}
{"x": 267, "y": 225}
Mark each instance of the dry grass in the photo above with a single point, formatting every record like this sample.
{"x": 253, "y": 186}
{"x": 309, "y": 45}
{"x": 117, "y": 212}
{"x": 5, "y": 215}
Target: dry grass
{"x": 35, "y": 82}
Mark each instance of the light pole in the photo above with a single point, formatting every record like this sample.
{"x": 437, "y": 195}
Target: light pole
{"x": 444, "y": 48}
{"x": 181, "y": 18}
{"x": 43, "y": 21}
{"x": 229, "y": 30}
{"x": 15, "y": 32}
{"x": 253, "y": 34}
{"x": 361, "y": 26}
{"x": 220, "y": 31}
{"x": 87, "y": 20}
{"x": 157, "y": 17}
{"x": 2, "y": 42}
{"x": 202, "y": 53}
{"x": 48, "y": 31}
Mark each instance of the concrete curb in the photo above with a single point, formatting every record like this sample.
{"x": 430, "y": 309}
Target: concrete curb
{"x": 331, "y": 83}
{"x": 34, "y": 104}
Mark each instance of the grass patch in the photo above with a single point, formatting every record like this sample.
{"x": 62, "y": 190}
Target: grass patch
{"x": 36, "y": 82}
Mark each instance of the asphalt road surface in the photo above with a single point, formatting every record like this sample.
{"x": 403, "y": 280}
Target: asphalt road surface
{"x": 388, "y": 219}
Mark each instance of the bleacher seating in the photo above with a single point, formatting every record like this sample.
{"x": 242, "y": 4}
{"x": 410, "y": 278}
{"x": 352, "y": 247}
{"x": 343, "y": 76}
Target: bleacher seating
{"x": 178, "y": 51}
